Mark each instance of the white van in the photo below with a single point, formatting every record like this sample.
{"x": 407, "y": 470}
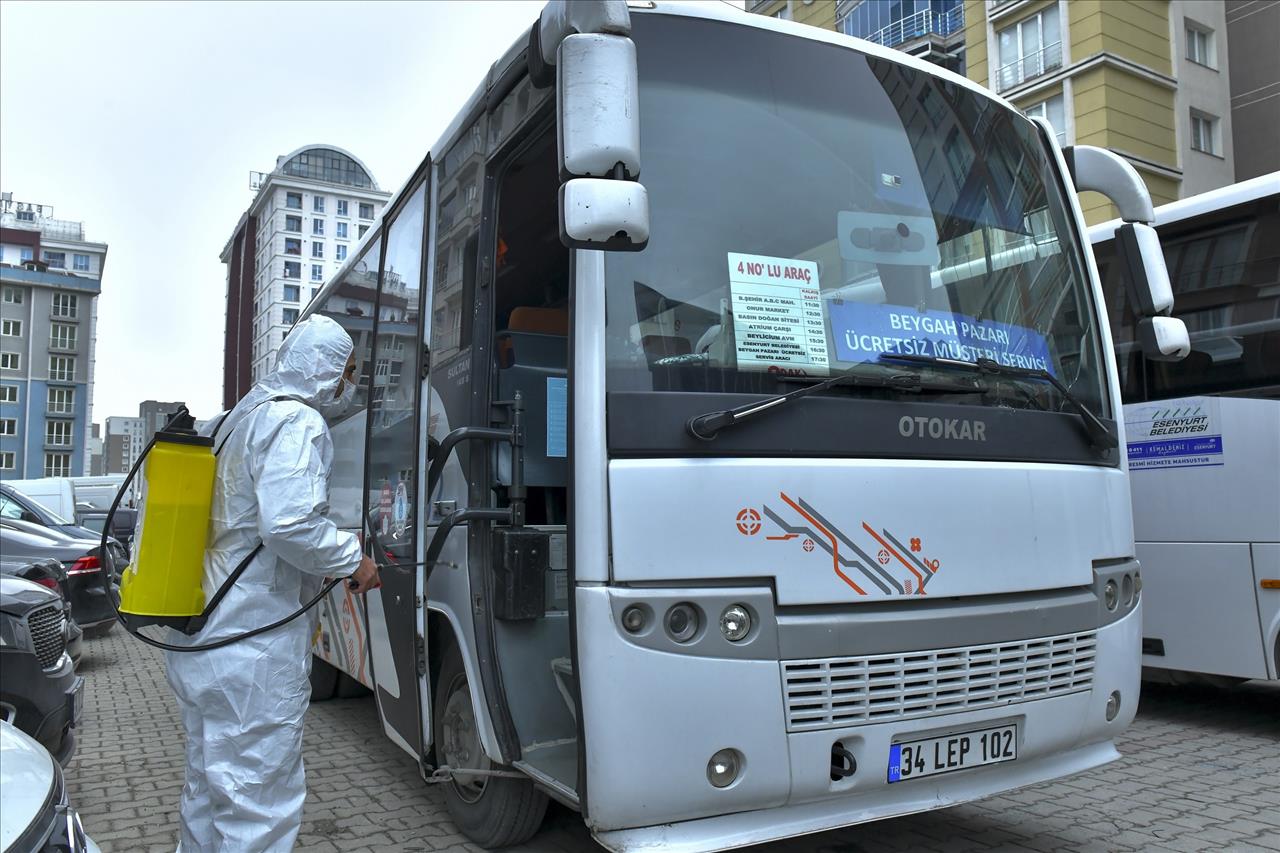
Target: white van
{"x": 70, "y": 496}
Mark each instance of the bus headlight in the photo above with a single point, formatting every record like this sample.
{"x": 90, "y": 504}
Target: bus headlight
{"x": 1113, "y": 705}
{"x": 1111, "y": 595}
{"x": 682, "y": 622}
{"x": 633, "y": 619}
{"x": 735, "y": 623}
{"x": 723, "y": 768}
{"x": 1126, "y": 589}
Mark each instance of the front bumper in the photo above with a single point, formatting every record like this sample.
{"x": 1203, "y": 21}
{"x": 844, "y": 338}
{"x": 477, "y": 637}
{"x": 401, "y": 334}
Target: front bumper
{"x": 44, "y": 701}
{"x": 650, "y": 735}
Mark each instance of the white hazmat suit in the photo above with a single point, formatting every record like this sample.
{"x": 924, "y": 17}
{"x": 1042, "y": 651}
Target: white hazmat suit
{"x": 242, "y": 705}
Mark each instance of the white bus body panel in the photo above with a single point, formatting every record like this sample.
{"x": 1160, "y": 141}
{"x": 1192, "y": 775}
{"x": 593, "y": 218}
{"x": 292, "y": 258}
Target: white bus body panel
{"x": 965, "y": 528}
{"x": 1206, "y": 529}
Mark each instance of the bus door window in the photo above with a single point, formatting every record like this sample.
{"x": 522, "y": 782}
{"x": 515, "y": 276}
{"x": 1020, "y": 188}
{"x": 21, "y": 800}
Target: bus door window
{"x": 531, "y": 323}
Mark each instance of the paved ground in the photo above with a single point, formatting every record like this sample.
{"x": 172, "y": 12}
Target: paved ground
{"x": 1201, "y": 772}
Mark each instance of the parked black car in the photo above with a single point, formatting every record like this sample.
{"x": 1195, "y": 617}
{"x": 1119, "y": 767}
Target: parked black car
{"x": 50, "y": 574}
{"x": 20, "y": 540}
{"x": 40, "y": 692}
{"x": 122, "y": 525}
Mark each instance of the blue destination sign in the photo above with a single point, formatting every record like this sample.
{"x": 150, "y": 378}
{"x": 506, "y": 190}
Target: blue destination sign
{"x": 862, "y": 332}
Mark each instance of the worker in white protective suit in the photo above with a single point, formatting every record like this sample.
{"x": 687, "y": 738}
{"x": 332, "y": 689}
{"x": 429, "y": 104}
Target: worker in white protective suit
{"x": 242, "y": 705}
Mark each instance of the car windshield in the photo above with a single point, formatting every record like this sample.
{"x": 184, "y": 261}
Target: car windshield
{"x": 814, "y": 208}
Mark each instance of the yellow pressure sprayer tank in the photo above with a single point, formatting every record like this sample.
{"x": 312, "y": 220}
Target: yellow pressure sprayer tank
{"x": 162, "y": 585}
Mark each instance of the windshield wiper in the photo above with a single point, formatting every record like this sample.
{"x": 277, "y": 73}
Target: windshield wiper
{"x": 706, "y": 426}
{"x": 1099, "y": 433}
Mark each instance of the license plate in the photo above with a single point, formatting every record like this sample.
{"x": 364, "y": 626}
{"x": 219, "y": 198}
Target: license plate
{"x": 75, "y": 699}
{"x": 914, "y": 759}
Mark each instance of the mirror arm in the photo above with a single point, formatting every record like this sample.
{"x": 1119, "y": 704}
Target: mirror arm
{"x": 1106, "y": 172}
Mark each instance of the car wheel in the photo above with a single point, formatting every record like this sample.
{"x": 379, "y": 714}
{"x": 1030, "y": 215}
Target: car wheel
{"x": 492, "y": 811}
{"x": 324, "y": 679}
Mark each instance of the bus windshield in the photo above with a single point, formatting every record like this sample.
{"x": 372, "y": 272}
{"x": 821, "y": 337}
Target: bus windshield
{"x": 814, "y": 208}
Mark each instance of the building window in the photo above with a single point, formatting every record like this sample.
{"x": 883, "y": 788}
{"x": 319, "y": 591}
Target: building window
{"x": 1200, "y": 46}
{"x": 317, "y": 204}
{"x": 366, "y": 210}
{"x": 317, "y": 249}
{"x": 8, "y": 426}
{"x": 1029, "y": 48}
{"x": 342, "y": 230}
{"x": 57, "y": 464}
{"x": 292, "y": 269}
{"x": 62, "y": 368}
{"x": 10, "y": 361}
{"x": 361, "y": 230}
{"x": 342, "y": 207}
{"x": 56, "y": 260}
{"x": 317, "y": 227}
{"x": 1204, "y": 133}
{"x": 13, "y": 296}
{"x": 57, "y": 433}
{"x": 290, "y": 316}
{"x": 65, "y": 305}
{"x": 7, "y": 461}
{"x": 62, "y": 401}
{"x": 62, "y": 336}
{"x": 25, "y": 253}
{"x": 293, "y": 201}
{"x": 1052, "y": 111}
{"x": 26, "y": 216}
{"x": 317, "y": 272}
{"x": 8, "y": 393}
{"x": 292, "y": 246}
{"x": 80, "y": 263}
{"x": 783, "y": 13}
{"x": 292, "y": 292}
{"x": 11, "y": 328}
{"x": 293, "y": 223}
{"x": 315, "y": 291}
{"x": 342, "y": 253}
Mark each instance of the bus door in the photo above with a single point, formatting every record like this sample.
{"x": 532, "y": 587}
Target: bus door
{"x": 392, "y": 476}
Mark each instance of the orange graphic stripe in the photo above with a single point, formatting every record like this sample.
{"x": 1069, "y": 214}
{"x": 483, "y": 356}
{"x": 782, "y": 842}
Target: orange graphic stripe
{"x": 783, "y": 538}
{"x": 835, "y": 546}
{"x": 889, "y": 548}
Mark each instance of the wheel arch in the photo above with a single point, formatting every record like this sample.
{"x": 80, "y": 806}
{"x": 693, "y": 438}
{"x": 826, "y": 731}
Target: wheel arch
{"x": 444, "y": 629}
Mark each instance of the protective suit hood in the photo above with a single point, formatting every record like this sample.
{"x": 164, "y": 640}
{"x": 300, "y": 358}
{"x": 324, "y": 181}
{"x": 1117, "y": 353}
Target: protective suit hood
{"x": 310, "y": 362}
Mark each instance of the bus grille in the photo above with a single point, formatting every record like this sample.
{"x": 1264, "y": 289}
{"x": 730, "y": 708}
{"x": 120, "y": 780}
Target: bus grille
{"x": 833, "y": 692}
{"x": 48, "y": 634}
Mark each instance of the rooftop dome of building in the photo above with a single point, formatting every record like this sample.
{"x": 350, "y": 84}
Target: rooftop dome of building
{"x": 326, "y": 163}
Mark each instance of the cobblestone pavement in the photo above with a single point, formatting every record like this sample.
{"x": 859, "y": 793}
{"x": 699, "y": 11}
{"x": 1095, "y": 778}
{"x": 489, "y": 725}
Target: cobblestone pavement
{"x": 1201, "y": 772}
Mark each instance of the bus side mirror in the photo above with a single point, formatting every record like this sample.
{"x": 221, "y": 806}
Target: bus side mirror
{"x": 603, "y": 214}
{"x": 1164, "y": 338}
{"x": 602, "y": 205}
{"x": 1140, "y": 255}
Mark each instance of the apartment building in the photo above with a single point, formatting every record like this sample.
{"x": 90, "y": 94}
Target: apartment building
{"x": 1146, "y": 78}
{"x": 308, "y": 215}
{"x": 123, "y": 443}
{"x": 50, "y": 279}
{"x": 815, "y": 13}
{"x": 1253, "y": 31}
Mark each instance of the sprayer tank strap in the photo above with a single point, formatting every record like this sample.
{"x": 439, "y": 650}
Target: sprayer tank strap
{"x": 227, "y": 414}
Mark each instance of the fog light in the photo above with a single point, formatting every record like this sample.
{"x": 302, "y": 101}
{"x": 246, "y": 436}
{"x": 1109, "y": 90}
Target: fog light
{"x": 722, "y": 769}
{"x": 1137, "y": 582}
{"x": 633, "y": 619}
{"x": 1126, "y": 588}
{"x": 1113, "y": 705}
{"x": 735, "y": 623}
{"x": 1110, "y": 595}
{"x": 682, "y": 622}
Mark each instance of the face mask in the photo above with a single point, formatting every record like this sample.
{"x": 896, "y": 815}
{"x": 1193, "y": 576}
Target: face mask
{"x": 337, "y": 407}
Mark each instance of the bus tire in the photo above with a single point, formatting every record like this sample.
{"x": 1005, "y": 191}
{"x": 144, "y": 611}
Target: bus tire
{"x": 324, "y": 679}
{"x": 349, "y": 687}
{"x": 492, "y": 811}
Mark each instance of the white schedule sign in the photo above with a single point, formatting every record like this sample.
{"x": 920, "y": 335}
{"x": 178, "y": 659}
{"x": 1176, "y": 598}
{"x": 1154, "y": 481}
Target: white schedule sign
{"x": 777, "y": 314}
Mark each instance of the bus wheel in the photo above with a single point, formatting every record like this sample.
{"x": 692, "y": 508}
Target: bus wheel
{"x": 493, "y": 811}
{"x": 324, "y": 679}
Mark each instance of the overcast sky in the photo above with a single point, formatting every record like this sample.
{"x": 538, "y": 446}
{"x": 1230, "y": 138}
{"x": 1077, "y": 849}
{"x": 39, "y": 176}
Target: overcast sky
{"x": 144, "y": 120}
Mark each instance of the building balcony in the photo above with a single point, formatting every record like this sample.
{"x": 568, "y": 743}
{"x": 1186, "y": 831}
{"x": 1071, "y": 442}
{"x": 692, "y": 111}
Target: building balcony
{"x": 68, "y": 347}
{"x": 1029, "y": 67}
{"x": 920, "y": 25}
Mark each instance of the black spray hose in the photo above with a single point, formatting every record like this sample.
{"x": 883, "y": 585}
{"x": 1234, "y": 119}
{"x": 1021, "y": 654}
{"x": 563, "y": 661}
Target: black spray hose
{"x": 108, "y": 570}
